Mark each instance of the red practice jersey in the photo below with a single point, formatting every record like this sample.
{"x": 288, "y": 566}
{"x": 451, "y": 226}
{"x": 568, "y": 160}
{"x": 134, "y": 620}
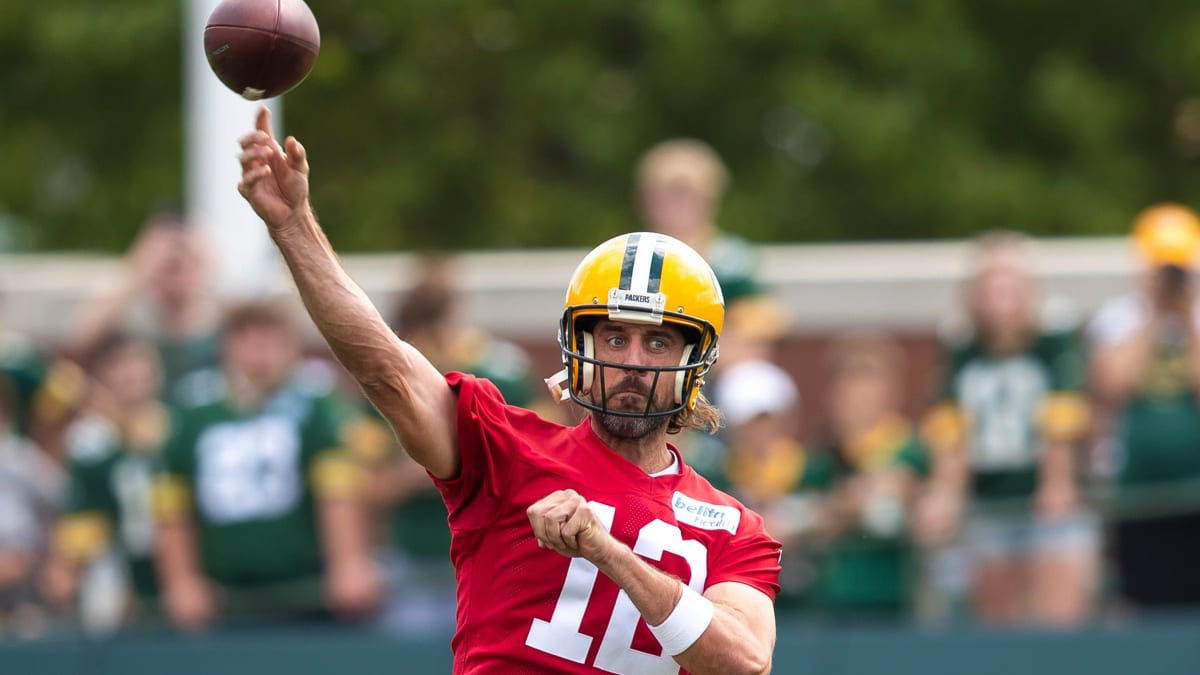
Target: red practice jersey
{"x": 522, "y": 609}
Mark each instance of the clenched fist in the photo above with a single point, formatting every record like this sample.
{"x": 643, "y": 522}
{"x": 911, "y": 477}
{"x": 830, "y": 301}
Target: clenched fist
{"x": 563, "y": 522}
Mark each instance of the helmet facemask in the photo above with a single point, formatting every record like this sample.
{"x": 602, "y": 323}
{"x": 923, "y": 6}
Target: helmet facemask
{"x": 642, "y": 278}
{"x": 586, "y": 380}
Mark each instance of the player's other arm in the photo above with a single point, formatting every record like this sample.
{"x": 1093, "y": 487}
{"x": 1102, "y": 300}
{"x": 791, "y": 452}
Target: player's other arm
{"x": 398, "y": 379}
{"x": 729, "y": 630}
{"x": 740, "y": 638}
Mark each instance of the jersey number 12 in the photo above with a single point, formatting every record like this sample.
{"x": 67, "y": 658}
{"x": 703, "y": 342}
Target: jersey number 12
{"x": 561, "y": 636}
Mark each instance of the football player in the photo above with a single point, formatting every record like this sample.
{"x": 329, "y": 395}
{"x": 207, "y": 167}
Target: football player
{"x": 577, "y": 549}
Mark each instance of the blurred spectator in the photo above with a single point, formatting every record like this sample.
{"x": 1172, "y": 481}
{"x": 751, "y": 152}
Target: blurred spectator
{"x": 680, "y": 183}
{"x": 112, "y": 448}
{"x": 764, "y": 461}
{"x": 45, "y": 391}
{"x": 862, "y": 479}
{"x": 23, "y": 368}
{"x": 1005, "y": 443}
{"x": 164, "y": 294}
{"x": 679, "y": 186}
{"x": 1145, "y": 372}
{"x": 430, "y": 316}
{"x": 256, "y": 498}
{"x": 30, "y": 485}
{"x": 761, "y": 405}
{"x": 421, "y": 582}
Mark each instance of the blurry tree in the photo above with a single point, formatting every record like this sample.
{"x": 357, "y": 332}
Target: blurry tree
{"x": 90, "y": 125}
{"x": 483, "y": 123}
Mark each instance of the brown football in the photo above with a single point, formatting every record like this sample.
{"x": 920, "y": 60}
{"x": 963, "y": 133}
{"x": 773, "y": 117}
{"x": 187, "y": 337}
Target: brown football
{"x": 261, "y": 48}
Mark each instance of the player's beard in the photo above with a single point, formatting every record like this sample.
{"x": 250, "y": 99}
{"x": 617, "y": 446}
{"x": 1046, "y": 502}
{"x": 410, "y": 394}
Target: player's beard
{"x": 626, "y": 427}
{"x": 631, "y": 428}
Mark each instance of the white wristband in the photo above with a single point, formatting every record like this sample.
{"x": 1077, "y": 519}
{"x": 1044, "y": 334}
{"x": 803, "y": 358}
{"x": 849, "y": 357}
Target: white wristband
{"x": 686, "y": 624}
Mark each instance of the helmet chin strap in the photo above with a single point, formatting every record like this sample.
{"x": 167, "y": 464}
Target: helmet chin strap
{"x": 555, "y": 384}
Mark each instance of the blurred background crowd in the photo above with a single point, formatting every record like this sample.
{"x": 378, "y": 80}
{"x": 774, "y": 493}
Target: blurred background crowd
{"x": 180, "y": 452}
{"x": 185, "y": 459}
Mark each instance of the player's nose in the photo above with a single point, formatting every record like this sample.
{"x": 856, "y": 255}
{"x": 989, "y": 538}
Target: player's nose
{"x": 637, "y": 356}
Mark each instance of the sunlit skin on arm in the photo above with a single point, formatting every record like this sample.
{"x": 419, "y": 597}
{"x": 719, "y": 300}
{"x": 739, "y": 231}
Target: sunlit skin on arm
{"x": 398, "y": 379}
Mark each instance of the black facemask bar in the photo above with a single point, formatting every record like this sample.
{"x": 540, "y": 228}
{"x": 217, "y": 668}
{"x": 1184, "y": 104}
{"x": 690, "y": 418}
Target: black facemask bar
{"x": 599, "y": 380}
{"x": 698, "y": 363}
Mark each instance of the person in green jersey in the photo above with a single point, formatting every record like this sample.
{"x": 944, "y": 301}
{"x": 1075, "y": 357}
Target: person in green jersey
{"x": 46, "y": 390}
{"x": 869, "y": 468}
{"x": 841, "y": 504}
{"x": 679, "y": 186}
{"x": 162, "y": 292}
{"x": 24, "y": 370}
{"x": 429, "y": 315}
{"x": 112, "y": 449}
{"x": 1146, "y": 372}
{"x": 761, "y": 461}
{"x": 414, "y": 538}
{"x": 30, "y": 486}
{"x": 256, "y": 498}
{"x": 1005, "y": 440}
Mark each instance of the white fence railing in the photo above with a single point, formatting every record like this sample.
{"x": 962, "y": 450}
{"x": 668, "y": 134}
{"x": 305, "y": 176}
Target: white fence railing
{"x": 519, "y": 293}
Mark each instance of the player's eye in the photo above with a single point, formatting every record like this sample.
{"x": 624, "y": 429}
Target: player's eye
{"x": 658, "y": 344}
{"x": 616, "y": 340}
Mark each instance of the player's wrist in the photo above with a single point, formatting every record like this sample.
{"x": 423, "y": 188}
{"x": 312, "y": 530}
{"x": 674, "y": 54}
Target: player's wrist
{"x": 607, "y": 553}
{"x": 686, "y": 623}
{"x": 298, "y": 220}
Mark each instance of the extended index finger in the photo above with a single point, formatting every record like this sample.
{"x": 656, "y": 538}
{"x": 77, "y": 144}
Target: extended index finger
{"x": 263, "y": 121}
{"x": 262, "y": 124}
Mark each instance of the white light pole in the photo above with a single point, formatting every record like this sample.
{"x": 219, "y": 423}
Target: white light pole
{"x": 215, "y": 117}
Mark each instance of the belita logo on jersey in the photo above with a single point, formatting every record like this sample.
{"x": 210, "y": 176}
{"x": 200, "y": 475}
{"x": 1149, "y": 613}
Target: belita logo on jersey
{"x": 703, "y": 515}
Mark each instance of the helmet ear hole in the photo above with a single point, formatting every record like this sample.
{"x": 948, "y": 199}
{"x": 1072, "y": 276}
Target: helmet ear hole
{"x": 682, "y": 376}
{"x": 587, "y": 370}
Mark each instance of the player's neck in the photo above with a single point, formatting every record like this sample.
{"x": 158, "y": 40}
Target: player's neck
{"x": 649, "y": 452}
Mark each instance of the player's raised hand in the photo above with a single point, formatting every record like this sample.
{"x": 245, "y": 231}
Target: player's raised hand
{"x": 274, "y": 178}
{"x": 563, "y": 522}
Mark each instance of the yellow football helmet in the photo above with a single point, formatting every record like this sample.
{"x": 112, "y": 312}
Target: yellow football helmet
{"x": 648, "y": 278}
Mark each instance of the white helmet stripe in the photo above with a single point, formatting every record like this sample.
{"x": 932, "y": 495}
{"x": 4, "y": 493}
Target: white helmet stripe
{"x": 643, "y": 262}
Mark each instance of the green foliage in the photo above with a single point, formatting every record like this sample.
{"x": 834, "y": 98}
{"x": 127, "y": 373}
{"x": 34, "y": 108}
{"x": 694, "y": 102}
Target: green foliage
{"x": 90, "y": 128}
{"x": 481, "y": 123}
